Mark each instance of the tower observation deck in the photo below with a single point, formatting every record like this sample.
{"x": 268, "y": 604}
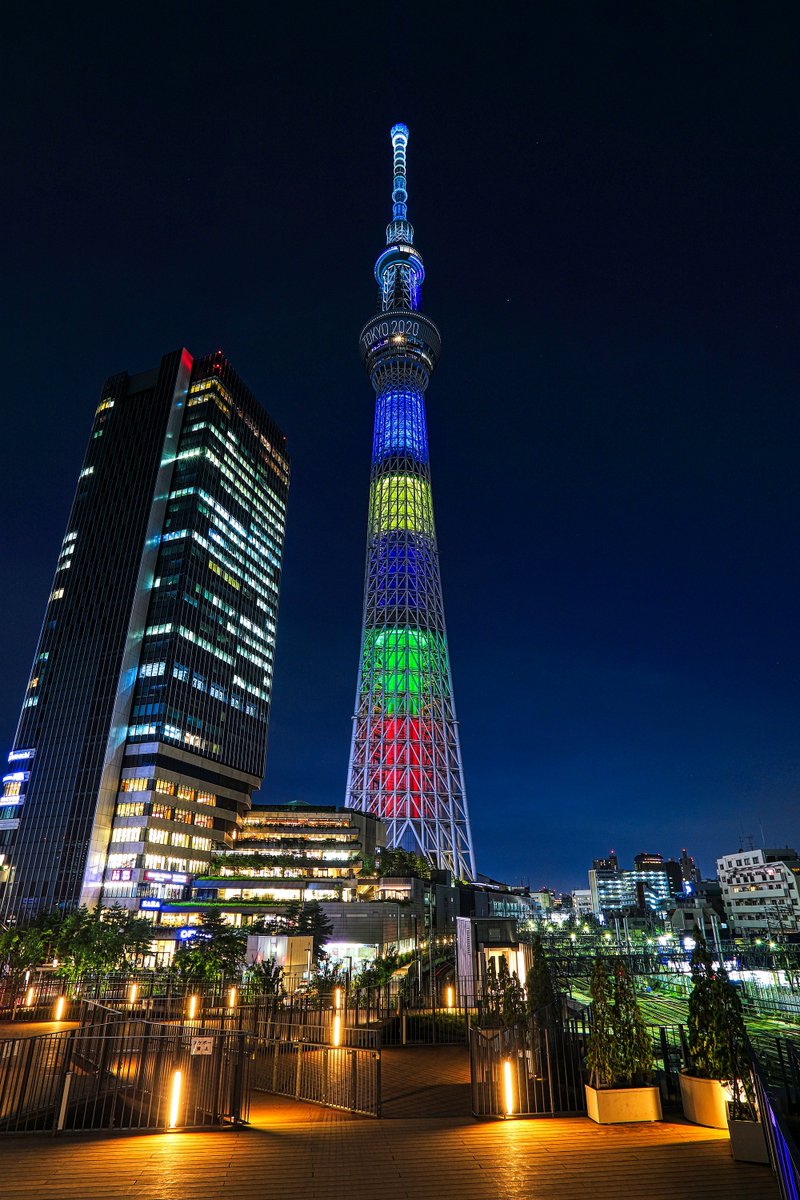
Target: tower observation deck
{"x": 405, "y": 757}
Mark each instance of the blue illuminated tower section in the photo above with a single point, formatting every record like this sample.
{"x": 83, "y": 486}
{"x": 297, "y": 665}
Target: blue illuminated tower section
{"x": 405, "y": 758}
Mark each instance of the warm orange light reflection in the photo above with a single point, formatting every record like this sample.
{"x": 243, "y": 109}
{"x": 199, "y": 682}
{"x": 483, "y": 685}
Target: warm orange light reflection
{"x": 336, "y": 1037}
{"x": 449, "y": 996}
{"x": 133, "y": 992}
{"x": 192, "y": 1007}
{"x": 61, "y": 1004}
{"x": 232, "y": 998}
{"x": 29, "y": 998}
{"x": 337, "y": 997}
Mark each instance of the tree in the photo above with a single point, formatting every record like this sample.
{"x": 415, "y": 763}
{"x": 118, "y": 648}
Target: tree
{"x": 619, "y": 1053}
{"x": 633, "y": 1059}
{"x": 308, "y": 918}
{"x": 379, "y": 971}
{"x": 265, "y": 977}
{"x": 328, "y": 976}
{"x": 23, "y": 947}
{"x": 505, "y": 999}
{"x": 715, "y": 1027}
{"x": 404, "y": 864}
{"x": 539, "y": 982}
{"x": 96, "y": 942}
{"x": 216, "y": 952}
{"x": 600, "y": 1051}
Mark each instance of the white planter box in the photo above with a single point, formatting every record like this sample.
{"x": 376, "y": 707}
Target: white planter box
{"x": 748, "y": 1141}
{"x": 612, "y": 1106}
{"x": 705, "y": 1101}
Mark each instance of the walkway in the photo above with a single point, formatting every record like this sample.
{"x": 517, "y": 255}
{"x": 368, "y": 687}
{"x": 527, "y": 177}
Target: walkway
{"x": 302, "y": 1152}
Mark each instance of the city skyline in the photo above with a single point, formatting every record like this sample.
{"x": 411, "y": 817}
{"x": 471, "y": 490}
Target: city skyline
{"x": 617, "y": 283}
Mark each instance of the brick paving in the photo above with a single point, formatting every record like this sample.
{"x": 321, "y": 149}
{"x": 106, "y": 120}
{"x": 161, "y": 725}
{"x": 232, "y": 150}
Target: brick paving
{"x": 304, "y": 1152}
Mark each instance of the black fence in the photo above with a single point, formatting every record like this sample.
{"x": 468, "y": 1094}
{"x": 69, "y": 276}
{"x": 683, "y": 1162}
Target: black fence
{"x": 669, "y": 1059}
{"x": 529, "y": 1071}
{"x": 124, "y": 1074}
{"x": 780, "y": 1130}
{"x": 338, "y": 1076}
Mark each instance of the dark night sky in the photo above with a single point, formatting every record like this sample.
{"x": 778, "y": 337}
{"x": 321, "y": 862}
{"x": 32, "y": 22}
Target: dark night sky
{"x": 606, "y": 197}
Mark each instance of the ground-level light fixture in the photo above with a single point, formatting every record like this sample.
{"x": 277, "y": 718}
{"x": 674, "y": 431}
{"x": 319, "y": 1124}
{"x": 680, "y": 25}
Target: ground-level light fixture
{"x": 175, "y": 1098}
{"x": 232, "y": 994}
{"x": 337, "y": 998}
{"x": 508, "y": 1088}
{"x": 29, "y": 998}
{"x": 192, "y": 1007}
{"x": 61, "y": 1004}
{"x": 336, "y": 1035}
{"x": 449, "y": 996}
{"x": 133, "y": 992}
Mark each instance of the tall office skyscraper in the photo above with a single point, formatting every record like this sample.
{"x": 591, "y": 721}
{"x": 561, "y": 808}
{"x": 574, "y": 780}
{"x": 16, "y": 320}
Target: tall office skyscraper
{"x": 405, "y": 758}
{"x": 144, "y": 727}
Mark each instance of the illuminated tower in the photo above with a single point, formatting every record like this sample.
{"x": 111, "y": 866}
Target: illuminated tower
{"x": 405, "y": 758}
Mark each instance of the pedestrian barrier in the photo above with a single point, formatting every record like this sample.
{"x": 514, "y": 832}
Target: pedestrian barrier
{"x": 123, "y": 1074}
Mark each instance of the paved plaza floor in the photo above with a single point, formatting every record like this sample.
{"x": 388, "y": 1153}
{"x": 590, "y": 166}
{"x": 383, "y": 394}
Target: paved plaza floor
{"x": 427, "y": 1146}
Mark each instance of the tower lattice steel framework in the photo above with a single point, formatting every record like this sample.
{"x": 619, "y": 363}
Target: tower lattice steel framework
{"x": 405, "y": 757}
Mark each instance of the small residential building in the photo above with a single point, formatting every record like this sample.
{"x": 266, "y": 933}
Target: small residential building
{"x": 582, "y": 903}
{"x": 761, "y": 891}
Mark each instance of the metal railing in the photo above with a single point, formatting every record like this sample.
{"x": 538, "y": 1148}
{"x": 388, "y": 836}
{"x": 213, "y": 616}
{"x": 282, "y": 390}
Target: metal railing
{"x": 337, "y": 1076}
{"x": 123, "y": 1074}
{"x": 783, "y": 1154}
{"x": 526, "y": 1071}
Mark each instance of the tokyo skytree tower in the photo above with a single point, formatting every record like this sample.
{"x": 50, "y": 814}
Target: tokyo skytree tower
{"x": 405, "y": 758}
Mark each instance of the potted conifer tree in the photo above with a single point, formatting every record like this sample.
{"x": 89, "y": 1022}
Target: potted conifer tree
{"x": 717, "y": 1083}
{"x": 619, "y": 1053}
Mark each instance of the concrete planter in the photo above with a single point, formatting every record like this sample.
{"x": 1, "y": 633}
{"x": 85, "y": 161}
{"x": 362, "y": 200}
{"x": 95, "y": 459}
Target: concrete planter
{"x": 748, "y": 1141}
{"x": 705, "y": 1101}
{"x": 611, "y": 1106}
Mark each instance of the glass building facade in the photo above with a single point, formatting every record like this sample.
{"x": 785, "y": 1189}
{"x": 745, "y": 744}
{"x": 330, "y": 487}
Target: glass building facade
{"x": 143, "y": 731}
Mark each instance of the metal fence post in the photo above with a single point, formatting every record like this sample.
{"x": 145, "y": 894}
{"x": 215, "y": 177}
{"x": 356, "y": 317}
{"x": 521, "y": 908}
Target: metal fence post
{"x": 298, "y": 1051}
{"x": 62, "y": 1112}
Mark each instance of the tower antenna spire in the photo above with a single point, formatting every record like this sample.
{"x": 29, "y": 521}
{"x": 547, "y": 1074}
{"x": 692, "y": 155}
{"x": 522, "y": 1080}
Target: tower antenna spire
{"x": 399, "y": 136}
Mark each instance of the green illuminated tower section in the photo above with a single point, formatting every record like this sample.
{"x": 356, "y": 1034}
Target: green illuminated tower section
{"x": 405, "y": 758}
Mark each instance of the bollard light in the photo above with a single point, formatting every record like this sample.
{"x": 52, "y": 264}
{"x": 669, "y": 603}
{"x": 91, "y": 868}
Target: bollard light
{"x": 449, "y": 996}
{"x": 192, "y": 1007}
{"x": 133, "y": 992}
{"x": 60, "y": 1006}
{"x": 508, "y": 1088}
{"x": 337, "y": 998}
{"x": 337, "y": 1031}
{"x": 175, "y": 1098}
{"x": 29, "y": 998}
{"x": 232, "y": 997}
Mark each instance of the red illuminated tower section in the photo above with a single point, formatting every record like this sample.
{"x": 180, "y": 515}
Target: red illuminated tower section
{"x": 405, "y": 759}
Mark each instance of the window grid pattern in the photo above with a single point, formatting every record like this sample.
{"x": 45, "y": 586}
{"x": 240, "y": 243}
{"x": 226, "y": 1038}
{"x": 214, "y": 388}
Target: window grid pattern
{"x": 205, "y": 678}
{"x": 83, "y": 637}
